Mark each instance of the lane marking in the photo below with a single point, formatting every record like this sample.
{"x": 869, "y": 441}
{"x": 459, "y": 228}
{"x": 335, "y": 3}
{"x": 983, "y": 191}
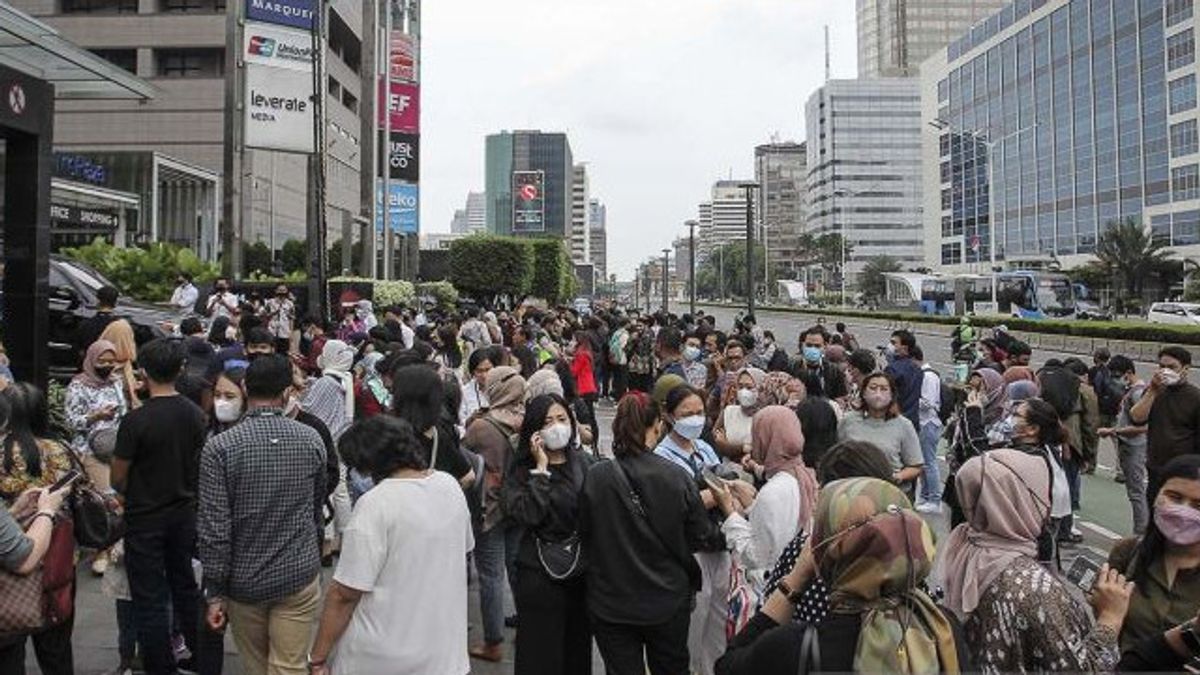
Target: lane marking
{"x": 1100, "y": 530}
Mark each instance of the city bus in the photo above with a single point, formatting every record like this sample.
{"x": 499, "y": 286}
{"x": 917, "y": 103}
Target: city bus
{"x": 1022, "y": 293}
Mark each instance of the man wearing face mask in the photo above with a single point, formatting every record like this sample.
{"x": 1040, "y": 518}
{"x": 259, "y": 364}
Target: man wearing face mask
{"x": 811, "y": 365}
{"x": 185, "y": 294}
{"x": 694, "y": 370}
{"x": 1130, "y": 438}
{"x": 907, "y": 374}
{"x": 1170, "y": 409}
{"x": 222, "y": 302}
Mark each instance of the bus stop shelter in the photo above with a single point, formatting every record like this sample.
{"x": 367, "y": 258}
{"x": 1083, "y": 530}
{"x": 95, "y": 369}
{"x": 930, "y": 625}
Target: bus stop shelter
{"x": 38, "y": 66}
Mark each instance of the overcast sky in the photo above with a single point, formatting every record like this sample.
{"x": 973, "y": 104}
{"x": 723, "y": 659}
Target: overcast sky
{"x": 659, "y": 97}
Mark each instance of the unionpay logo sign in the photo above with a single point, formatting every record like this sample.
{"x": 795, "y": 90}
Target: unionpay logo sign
{"x": 261, "y": 45}
{"x": 279, "y": 47}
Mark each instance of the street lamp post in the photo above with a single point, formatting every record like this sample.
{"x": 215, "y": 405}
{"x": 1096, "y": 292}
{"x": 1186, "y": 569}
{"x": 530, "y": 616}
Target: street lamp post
{"x": 841, "y": 231}
{"x": 691, "y": 224}
{"x": 749, "y": 188}
{"x": 666, "y": 280}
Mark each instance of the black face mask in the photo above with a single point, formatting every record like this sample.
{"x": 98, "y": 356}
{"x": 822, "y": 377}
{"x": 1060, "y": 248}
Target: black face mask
{"x": 104, "y": 372}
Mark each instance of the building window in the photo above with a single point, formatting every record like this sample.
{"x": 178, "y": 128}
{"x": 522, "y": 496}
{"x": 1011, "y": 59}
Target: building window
{"x": 121, "y": 58}
{"x": 1178, "y": 10}
{"x": 190, "y": 62}
{"x": 1183, "y": 138}
{"x": 952, "y": 254}
{"x": 1181, "y": 50}
{"x": 99, "y": 6}
{"x": 192, "y": 6}
{"x": 349, "y": 100}
{"x": 1183, "y": 93}
{"x": 1185, "y": 182}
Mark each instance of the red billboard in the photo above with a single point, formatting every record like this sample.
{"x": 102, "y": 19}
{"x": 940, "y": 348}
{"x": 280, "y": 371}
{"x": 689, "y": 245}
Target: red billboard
{"x": 403, "y": 105}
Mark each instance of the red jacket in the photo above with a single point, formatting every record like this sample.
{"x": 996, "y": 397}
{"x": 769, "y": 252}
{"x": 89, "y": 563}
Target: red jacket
{"x": 581, "y": 368}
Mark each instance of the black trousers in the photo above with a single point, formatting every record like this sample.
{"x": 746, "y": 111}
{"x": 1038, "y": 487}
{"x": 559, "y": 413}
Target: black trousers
{"x": 159, "y": 563}
{"x": 620, "y": 380}
{"x": 52, "y": 647}
{"x": 631, "y": 650}
{"x": 555, "y": 637}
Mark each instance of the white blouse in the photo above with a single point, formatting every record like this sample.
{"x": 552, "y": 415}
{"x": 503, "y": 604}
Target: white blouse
{"x": 773, "y": 521}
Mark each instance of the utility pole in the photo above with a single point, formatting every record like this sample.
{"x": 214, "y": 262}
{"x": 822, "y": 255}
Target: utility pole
{"x": 389, "y": 242}
{"x": 749, "y": 188}
{"x": 315, "y": 221}
{"x": 368, "y": 166}
{"x": 234, "y": 160}
{"x": 691, "y": 224}
{"x": 666, "y": 280}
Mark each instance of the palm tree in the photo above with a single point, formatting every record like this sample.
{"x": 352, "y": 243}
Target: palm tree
{"x": 872, "y": 282}
{"x": 1129, "y": 255}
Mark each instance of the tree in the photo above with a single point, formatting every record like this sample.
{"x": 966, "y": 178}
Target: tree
{"x": 1130, "y": 256}
{"x": 294, "y": 256}
{"x": 872, "y": 282}
{"x": 256, "y": 257}
{"x": 487, "y": 266}
{"x": 333, "y": 261}
{"x": 553, "y": 272}
{"x": 728, "y": 261}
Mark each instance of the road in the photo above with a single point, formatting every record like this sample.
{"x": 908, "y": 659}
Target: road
{"x": 1105, "y": 516}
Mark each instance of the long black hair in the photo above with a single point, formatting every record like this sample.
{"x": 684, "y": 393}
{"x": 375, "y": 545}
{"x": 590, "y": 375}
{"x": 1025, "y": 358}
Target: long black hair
{"x": 1042, "y": 414}
{"x": 380, "y": 445}
{"x": 535, "y": 419}
{"x": 448, "y": 346}
{"x": 417, "y": 396}
{"x": 27, "y": 421}
{"x": 1153, "y": 544}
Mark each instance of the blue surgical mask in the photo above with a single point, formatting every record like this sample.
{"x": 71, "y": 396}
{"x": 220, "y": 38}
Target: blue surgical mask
{"x": 813, "y": 354}
{"x": 689, "y": 427}
{"x": 691, "y": 353}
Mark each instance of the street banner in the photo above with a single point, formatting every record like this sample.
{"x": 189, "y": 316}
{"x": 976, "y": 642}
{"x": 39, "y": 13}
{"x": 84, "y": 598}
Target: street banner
{"x": 529, "y": 201}
{"x": 294, "y": 13}
{"x": 403, "y": 157}
{"x": 403, "y": 105}
{"x": 279, "y": 109}
{"x": 403, "y": 208}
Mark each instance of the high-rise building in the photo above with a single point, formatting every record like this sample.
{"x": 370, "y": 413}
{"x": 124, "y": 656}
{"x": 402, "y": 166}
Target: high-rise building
{"x": 471, "y": 218}
{"x": 458, "y": 224}
{"x": 170, "y": 151}
{"x": 781, "y": 170}
{"x": 598, "y": 235}
{"x": 723, "y": 220}
{"x": 896, "y": 36}
{"x": 580, "y": 241}
{"x": 704, "y": 232}
{"x": 534, "y": 158}
{"x": 864, "y": 168}
{"x": 1055, "y": 120}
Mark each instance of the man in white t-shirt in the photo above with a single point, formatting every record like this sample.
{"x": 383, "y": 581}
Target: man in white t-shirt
{"x": 398, "y": 601}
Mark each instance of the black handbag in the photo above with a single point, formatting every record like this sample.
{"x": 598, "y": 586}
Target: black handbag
{"x": 561, "y": 560}
{"x": 97, "y": 517}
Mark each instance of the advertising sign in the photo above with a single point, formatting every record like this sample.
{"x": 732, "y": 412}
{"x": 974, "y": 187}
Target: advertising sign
{"x": 402, "y": 61}
{"x": 278, "y": 47}
{"x": 403, "y": 104}
{"x": 403, "y": 208}
{"x": 294, "y": 13}
{"x": 529, "y": 201}
{"x": 84, "y": 217}
{"x": 403, "y": 157}
{"x": 279, "y": 109}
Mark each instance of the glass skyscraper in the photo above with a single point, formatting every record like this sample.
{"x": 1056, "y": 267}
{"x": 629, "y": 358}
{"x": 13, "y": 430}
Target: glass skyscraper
{"x": 549, "y": 153}
{"x": 1084, "y": 114}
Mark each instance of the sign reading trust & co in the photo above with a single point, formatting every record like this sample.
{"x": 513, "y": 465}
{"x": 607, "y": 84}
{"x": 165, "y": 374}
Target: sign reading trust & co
{"x": 294, "y": 13}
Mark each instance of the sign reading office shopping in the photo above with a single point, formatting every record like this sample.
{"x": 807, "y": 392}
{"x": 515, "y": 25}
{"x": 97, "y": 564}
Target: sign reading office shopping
{"x": 279, "y": 78}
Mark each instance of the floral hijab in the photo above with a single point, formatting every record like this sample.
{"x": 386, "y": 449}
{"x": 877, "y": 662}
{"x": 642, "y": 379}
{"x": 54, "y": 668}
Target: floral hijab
{"x": 872, "y": 550}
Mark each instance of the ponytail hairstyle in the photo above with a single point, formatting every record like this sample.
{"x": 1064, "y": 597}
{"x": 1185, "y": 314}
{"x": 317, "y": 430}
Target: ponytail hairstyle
{"x": 637, "y": 413}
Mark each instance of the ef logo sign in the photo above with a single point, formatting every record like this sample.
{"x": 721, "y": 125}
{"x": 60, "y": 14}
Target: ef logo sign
{"x": 400, "y": 102}
{"x": 16, "y": 99}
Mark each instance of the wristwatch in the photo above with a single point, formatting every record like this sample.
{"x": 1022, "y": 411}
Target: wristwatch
{"x": 1187, "y": 632}
{"x": 791, "y": 595}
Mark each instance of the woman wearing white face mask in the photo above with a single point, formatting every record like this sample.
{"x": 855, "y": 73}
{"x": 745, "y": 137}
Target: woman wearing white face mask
{"x": 880, "y": 423}
{"x": 541, "y": 494}
{"x": 228, "y": 399}
{"x": 732, "y": 431}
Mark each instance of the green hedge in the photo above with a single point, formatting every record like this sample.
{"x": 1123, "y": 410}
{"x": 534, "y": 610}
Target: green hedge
{"x": 484, "y": 266}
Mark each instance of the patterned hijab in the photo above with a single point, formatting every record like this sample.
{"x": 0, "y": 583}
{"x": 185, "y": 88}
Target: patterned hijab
{"x": 872, "y": 550}
{"x": 775, "y": 389}
{"x": 758, "y": 375}
{"x": 1005, "y": 497}
{"x": 777, "y": 442}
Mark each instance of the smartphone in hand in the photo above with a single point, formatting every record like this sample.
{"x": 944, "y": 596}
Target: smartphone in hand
{"x": 68, "y": 479}
{"x": 1083, "y": 572}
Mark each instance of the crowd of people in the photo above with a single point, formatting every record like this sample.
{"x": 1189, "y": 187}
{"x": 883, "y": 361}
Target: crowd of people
{"x": 750, "y": 511}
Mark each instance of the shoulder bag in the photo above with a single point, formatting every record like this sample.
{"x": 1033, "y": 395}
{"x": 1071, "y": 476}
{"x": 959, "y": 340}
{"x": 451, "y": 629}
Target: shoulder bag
{"x": 97, "y": 516}
{"x": 562, "y": 560}
{"x": 44, "y": 598}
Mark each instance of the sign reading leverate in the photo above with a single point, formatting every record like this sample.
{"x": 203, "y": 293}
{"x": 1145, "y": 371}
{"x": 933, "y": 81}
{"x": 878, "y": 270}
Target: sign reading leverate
{"x": 279, "y": 109}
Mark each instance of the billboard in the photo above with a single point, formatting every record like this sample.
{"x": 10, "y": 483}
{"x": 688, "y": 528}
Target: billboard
{"x": 294, "y": 13}
{"x": 403, "y": 105}
{"x": 529, "y": 201}
{"x": 278, "y": 47}
{"x": 279, "y": 109}
{"x": 403, "y": 208}
{"x": 403, "y": 157}
{"x": 402, "y": 61}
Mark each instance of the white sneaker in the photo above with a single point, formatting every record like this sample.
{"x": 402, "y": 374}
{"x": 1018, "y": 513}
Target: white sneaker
{"x": 929, "y": 507}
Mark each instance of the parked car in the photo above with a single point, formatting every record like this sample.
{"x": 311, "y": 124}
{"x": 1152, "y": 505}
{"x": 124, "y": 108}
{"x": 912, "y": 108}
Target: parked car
{"x": 73, "y": 287}
{"x": 1090, "y": 311}
{"x": 1177, "y": 313}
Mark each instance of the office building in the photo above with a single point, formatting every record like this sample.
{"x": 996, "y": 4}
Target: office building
{"x": 533, "y": 158}
{"x": 896, "y": 36}
{"x": 598, "y": 236}
{"x": 472, "y": 217}
{"x": 438, "y": 241}
{"x": 1082, "y": 112}
{"x": 704, "y": 229}
{"x": 170, "y": 151}
{"x": 781, "y": 170}
{"x": 580, "y": 243}
{"x": 723, "y": 219}
{"x": 864, "y": 168}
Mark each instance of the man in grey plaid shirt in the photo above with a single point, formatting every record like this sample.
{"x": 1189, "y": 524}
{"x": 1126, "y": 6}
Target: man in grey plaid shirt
{"x": 262, "y": 485}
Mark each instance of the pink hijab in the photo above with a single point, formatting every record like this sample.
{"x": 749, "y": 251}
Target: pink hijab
{"x": 1005, "y": 496}
{"x": 777, "y": 442}
{"x": 88, "y": 376}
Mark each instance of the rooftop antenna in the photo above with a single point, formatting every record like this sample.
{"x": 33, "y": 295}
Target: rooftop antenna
{"x": 826, "y": 52}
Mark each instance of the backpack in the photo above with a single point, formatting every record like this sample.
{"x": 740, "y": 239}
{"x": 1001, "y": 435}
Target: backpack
{"x": 1108, "y": 392}
{"x": 1060, "y": 388}
{"x": 945, "y": 397}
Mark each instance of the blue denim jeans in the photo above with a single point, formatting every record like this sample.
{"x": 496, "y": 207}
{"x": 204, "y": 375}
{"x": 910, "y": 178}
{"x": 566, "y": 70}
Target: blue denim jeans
{"x": 931, "y": 488}
{"x": 495, "y": 557}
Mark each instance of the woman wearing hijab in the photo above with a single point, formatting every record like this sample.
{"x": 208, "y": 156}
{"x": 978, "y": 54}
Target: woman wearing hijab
{"x": 330, "y": 398}
{"x": 120, "y": 334}
{"x": 872, "y": 550}
{"x": 95, "y": 404}
{"x": 372, "y": 395}
{"x": 364, "y": 311}
{"x": 782, "y": 509}
{"x": 1018, "y": 616}
{"x": 731, "y": 433}
{"x": 780, "y": 388}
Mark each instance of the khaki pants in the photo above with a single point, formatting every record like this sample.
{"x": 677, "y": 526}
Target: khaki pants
{"x": 97, "y": 472}
{"x": 273, "y": 639}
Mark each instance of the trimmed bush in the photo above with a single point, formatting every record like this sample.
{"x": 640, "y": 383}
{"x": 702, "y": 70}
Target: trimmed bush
{"x": 144, "y": 273}
{"x": 485, "y": 266}
{"x": 443, "y": 293}
{"x": 553, "y": 272}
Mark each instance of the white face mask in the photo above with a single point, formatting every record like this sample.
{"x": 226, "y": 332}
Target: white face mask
{"x": 1170, "y": 377}
{"x": 747, "y": 397}
{"x": 227, "y": 410}
{"x": 556, "y": 436}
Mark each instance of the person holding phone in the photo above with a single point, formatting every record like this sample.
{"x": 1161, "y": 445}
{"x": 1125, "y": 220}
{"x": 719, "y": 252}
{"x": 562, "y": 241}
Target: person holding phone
{"x": 95, "y": 405}
{"x": 27, "y": 460}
